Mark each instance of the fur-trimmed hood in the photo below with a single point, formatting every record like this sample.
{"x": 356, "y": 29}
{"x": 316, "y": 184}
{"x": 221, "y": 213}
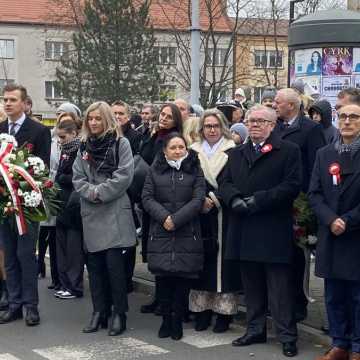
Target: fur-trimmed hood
{"x": 189, "y": 165}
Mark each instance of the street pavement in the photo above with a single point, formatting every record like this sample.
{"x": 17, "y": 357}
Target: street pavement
{"x": 59, "y": 337}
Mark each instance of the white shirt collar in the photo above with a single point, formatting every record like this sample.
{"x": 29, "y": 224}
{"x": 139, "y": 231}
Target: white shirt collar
{"x": 211, "y": 150}
{"x": 290, "y": 122}
{"x": 261, "y": 144}
{"x": 18, "y": 122}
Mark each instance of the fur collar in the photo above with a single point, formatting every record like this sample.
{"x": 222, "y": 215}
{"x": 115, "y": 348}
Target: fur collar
{"x": 213, "y": 167}
{"x": 190, "y": 165}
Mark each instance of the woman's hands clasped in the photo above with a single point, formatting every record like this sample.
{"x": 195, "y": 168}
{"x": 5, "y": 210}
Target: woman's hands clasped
{"x": 168, "y": 224}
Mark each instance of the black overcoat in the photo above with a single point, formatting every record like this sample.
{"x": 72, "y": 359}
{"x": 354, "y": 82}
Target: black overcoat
{"x": 310, "y": 137}
{"x": 337, "y": 257}
{"x": 274, "y": 179}
{"x": 180, "y": 194}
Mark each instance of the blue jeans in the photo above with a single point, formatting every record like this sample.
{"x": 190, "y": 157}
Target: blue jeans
{"x": 342, "y": 299}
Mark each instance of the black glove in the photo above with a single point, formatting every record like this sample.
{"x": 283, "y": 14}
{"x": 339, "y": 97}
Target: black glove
{"x": 250, "y": 202}
{"x": 239, "y": 205}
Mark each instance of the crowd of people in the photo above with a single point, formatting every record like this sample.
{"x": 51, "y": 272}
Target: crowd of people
{"x": 211, "y": 195}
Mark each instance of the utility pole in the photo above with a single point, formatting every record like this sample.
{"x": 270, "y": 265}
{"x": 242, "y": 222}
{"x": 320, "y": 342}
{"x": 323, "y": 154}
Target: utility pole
{"x": 195, "y": 52}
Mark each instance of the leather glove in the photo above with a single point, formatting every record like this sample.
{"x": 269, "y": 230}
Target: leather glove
{"x": 250, "y": 201}
{"x": 239, "y": 205}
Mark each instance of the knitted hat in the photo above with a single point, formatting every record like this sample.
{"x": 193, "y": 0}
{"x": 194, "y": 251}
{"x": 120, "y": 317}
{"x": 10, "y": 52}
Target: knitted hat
{"x": 268, "y": 94}
{"x": 240, "y": 92}
{"x": 299, "y": 86}
{"x": 68, "y": 107}
{"x": 240, "y": 129}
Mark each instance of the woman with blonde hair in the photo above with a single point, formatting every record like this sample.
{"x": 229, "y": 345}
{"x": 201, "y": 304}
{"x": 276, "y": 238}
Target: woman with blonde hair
{"x": 103, "y": 171}
{"x": 215, "y": 290}
{"x": 191, "y": 130}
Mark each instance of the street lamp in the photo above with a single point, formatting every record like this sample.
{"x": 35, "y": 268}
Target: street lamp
{"x": 195, "y": 52}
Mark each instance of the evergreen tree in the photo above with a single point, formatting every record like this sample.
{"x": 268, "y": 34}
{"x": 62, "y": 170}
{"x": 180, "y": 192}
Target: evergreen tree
{"x": 112, "y": 55}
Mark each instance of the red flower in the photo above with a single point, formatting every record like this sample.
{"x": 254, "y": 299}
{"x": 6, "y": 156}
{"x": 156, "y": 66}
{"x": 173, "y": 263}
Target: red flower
{"x": 16, "y": 185}
{"x": 31, "y": 171}
{"x": 48, "y": 184}
{"x": 299, "y": 232}
{"x": 29, "y": 147}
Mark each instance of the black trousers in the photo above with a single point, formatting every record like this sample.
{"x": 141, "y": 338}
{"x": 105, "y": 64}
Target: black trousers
{"x": 271, "y": 284}
{"x": 70, "y": 259}
{"x": 298, "y": 288}
{"x": 107, "y": 278}
{"x": 130, "y": 260}
{"x": 21, "y": 265}
{"x": 172, "y": 293}
{"x": 47, "y": 236}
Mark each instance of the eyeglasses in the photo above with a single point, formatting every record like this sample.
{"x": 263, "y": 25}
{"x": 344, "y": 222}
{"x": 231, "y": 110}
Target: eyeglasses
{"x": 212, "y": 126}
{"x": 351, "y": 117}
{"x": 257, "y": 121}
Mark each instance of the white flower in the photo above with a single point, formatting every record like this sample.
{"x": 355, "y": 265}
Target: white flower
{"x": 312, "y": 240}
{"x": 32, "y": 199}
{"x": 20, "y": 192}
{"x": 8, "y": 139}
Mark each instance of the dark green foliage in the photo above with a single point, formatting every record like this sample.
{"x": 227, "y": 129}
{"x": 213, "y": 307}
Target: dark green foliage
{"x": 113, "y": 55}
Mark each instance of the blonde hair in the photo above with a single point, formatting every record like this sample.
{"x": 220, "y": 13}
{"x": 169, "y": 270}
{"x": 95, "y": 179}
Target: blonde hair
{"x": 3, "y": 115}
{"x": 222, "y": 121}
{"x": 191, "y": 130}
{"x": 107, "y": 116}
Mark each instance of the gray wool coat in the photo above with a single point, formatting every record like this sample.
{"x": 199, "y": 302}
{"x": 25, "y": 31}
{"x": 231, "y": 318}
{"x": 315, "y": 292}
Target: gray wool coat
{"x": 107, "y": 221}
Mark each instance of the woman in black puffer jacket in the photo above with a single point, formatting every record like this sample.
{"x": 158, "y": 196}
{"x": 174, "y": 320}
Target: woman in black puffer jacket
{"x": 173, "y": 195}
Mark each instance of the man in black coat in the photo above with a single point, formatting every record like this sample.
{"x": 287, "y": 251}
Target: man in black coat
{"x": 294, "y": 126}
{"x": 122, "y": 114}
{"x": 335, "y": 197}
{"x": 261, "y": 180}
{"x": 20, "y": 260}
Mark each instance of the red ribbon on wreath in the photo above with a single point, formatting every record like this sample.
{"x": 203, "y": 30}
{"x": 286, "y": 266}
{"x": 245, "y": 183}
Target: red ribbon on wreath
{"x": 6, "y": 149}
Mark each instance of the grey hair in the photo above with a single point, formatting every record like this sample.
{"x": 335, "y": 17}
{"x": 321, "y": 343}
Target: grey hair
{"x": 222, "y": 121}
{"x": 291, "y": 96}
{"x": 271, "y": 112}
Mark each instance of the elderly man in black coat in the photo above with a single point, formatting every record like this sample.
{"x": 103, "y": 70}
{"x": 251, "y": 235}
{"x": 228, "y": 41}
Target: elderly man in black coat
{"x": 20, "y": 260}
{"x": 294, "y": 126}
{"x": 261, "y": 180}
{"x": 335, "y": 197}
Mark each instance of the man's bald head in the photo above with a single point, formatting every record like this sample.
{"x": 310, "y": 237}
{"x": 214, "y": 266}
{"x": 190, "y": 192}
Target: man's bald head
{"x": 287, "y": 104}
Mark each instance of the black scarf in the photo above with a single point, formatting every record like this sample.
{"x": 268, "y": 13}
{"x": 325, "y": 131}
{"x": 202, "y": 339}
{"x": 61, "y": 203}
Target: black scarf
{"x": 101, "y": 154}
{"x": 70, "y": 147}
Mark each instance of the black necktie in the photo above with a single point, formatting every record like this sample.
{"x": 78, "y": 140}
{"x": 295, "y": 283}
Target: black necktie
{"x": 257, "y": 148}
{"x": 12, "y": 129}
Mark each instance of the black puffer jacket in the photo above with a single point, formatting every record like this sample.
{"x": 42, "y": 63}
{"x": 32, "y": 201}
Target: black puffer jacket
{"x": 179, "y": 194}
{"x": 323, "y": 107}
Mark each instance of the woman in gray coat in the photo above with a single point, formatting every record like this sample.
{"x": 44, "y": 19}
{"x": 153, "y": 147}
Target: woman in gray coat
{"x": 103, "y": 171}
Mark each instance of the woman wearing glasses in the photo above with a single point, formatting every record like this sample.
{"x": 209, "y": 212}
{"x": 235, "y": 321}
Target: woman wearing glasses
{"x": 215, "y": 291}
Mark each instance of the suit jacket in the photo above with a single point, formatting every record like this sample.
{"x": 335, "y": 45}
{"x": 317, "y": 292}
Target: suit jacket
{"x": 310, "y": 137}
{"x": 32, "y": 132}
{"x": 274, "y": 179}
{"x": 337, "y": 257}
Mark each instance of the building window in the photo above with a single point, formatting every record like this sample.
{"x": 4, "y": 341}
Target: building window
{"x": 268, "y": 59}
{"x": 52, "y": 91}
{"x": 6, "y": 49}
{"x": 217, "y": 58}
{"x": 55, "y": 50}
{"x": 165, "y": 55}
{"x": 4, "y": 82}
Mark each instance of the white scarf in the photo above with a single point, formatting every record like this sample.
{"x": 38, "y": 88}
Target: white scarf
{"x": 176, "y": 164}
{"x": 211, "y": 150}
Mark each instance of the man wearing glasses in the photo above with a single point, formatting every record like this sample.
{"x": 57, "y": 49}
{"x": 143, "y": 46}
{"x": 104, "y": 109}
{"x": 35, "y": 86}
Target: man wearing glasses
{"x": 335, "y": 197}
{"x": 261, "y": 180}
